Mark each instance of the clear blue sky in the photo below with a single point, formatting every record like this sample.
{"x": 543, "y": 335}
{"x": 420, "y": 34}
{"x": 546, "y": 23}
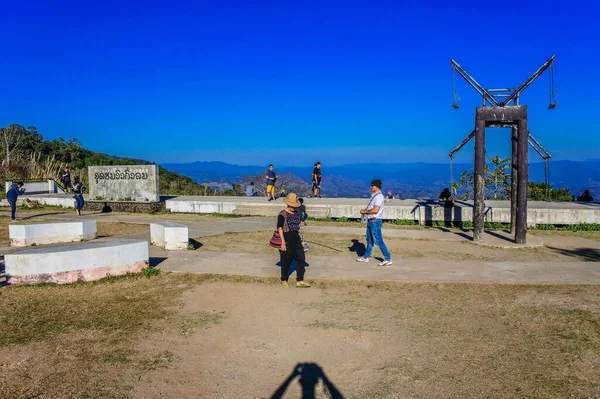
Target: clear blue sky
{"x": 293, "y": 82}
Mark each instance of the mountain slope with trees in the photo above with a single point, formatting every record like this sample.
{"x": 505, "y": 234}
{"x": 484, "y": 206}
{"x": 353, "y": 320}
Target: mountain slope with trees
{"x": 25, "y": 155}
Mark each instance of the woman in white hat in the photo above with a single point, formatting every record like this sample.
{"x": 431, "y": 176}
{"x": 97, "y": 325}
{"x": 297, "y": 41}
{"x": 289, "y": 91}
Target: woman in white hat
{"x": 288, "y": 225}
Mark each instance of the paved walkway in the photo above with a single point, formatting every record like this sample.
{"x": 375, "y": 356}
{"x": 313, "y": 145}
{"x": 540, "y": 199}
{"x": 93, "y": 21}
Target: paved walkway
{"x": 344, "y": 267}
{"x": 203, "y": 228}
{"x": 199, "y": 228}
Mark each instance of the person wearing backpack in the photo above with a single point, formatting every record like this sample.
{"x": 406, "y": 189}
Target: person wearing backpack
{"x": 78, "y": 189}
{"x": 374, "y": 219}
{"x": 288, "y": 226}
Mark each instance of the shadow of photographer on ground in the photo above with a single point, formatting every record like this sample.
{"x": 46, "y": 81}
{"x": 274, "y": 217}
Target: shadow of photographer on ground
{"x": 310, "y": 374}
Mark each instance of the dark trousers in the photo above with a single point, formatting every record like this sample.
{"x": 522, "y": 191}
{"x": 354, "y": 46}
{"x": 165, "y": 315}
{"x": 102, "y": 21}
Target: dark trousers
{"x": 13, "y": 210}
{"x": 79, "y": 202}
{"x": 294, "y": 252}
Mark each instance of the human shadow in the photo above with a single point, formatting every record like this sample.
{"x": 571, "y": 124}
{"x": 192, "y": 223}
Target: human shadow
{"x": 310, "y": 375}
{"x": 357, "y": 247}
{"x": 292, "y": 268}
{"x": 583, "y": 254}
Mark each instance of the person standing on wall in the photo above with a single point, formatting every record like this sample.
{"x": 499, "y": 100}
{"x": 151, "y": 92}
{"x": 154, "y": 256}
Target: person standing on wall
{"x": 374, "y": 215}
{"x": 78, "y": 189}
{"x": 66, "y": 179}
{"x": 12, "y": 194}
{"x": 316, "y": 180}
{"x": 271, "y": 179}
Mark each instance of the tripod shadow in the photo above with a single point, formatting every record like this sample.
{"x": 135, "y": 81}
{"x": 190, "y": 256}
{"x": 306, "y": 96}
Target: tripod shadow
{"x": 310, "y": 374}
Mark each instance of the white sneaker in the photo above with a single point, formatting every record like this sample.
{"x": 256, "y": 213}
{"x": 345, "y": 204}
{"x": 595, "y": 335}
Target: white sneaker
{"x": 363, "y": 260}
{"x": 385, "y": 263}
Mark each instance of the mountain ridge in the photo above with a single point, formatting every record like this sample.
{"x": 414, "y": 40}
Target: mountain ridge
{"x": 414, "y": 179}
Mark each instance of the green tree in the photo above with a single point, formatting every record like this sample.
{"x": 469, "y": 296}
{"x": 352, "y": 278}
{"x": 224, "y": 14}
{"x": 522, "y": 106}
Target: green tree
{"x": 543, "y": 191}
{"x": 497, "y": 181}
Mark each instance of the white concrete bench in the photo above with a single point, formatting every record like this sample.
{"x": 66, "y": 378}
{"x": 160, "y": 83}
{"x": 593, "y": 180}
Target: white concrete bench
{"x": 69, "y": 264}
{"x": 23, "y": 235}
{"x": 169, "y": 235}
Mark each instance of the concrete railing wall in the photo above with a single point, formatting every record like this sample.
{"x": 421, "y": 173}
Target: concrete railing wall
{"x": 421, "y": 211}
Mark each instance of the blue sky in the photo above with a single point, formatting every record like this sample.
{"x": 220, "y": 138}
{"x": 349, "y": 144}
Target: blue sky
{"x": 293, "y": 82}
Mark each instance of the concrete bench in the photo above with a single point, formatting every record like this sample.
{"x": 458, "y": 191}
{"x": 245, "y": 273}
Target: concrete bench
{"x": 69, "y": 264}
{"x": 23, "y": 235}
{"x": 169, "y": 235}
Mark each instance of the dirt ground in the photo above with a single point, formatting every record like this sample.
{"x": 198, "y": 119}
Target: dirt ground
{"x": 189, "y": 336}
{"x": 556, "y": 248}
{"x": 105, "y": 229}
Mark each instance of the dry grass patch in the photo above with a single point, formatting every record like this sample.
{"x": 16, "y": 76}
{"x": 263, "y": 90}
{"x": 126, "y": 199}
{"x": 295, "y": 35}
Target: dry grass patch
{"x": 78, "y": 340}
{"x": 185, "y": 336}
{"x": 108, "y": 229}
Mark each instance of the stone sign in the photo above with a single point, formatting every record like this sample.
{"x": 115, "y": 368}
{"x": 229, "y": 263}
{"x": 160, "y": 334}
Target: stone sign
{"x": 124, "y": 183}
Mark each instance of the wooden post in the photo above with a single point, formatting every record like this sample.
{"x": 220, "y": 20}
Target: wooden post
{"x": 513, "y": 181}
{"x": 522, "y": 166}
{"x": 479, "y": 191}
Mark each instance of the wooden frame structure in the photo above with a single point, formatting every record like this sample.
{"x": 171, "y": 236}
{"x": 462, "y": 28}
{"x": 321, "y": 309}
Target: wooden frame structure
{"x": 501, "y": 108}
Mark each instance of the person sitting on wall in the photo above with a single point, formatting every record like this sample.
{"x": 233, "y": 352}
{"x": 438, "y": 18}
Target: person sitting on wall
{"x": 585, "y": 197}
{"x": 445, "y": 198}
{"x": 389, "y": 196}
{"x": 250, "y": 190}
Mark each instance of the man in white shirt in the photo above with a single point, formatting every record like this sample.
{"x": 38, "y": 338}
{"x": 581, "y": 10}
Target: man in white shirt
{"x": 374, "y": 214}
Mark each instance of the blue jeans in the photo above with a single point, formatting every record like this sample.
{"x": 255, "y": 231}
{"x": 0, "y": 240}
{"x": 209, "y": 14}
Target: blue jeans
{"x": 375, "y": 237}
{"x": 79, "y": 202}
{"x": 13, "y": 210}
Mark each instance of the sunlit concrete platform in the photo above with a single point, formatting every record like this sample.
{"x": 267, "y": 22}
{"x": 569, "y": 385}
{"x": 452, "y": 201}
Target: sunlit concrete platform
{"x": 23, "y": 235}
{"x": 169, "y": 235}
{"x": 73, "y": 263}
{"x": 421, "y": 211}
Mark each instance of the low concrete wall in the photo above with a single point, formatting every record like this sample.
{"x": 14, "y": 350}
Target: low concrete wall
{"x": 194, "y": 206}
{"x": 24, "y": 235}
{"x": 169, "y": 235}
{"x": 421, "y": 211}
{"x": 38, "y": 187}
{"x": 69, "y": 264}
{"x": 64, "y": 200}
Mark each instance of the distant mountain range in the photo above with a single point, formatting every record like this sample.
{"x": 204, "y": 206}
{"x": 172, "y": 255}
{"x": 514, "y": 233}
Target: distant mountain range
{"x": 408, "y": 180}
